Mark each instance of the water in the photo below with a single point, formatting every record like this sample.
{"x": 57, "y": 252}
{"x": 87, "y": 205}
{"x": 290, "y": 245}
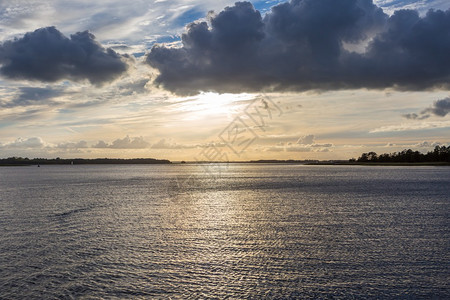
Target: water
{"x": 241, "y": 232}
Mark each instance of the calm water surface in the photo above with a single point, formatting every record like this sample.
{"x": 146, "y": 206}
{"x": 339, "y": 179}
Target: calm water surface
{"x": 248, "y": 232}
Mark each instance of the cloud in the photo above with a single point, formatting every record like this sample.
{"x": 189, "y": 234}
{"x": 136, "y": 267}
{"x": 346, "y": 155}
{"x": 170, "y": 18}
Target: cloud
{"x": 33, "y": 142}
{"x": 422, "y": 6}
{"x": 297, "y": 149}
{"x": 125, "y": 143}
{"x": 412, "y": 126}
{"x": 324, "y": 150}
{"x": 164, "y": 144}
{"x": 440, "y": 108}
{"x": 32, "y": 96}
{"x": 71, "y": 145}
{"x": 141, "y": 23}
{"x": 47, "y": 55}
{"x": 38, "y": 143}
{"x": 426, "y": 144}
{"x": 305, "y": 143}
{"x": 101, "y": 145}
{"x": 129, "y": 143}
{"x": 415, "y": 116}
{"x": 321, "y": 145}
{"x": 307, "y": 139}
{"x": 303, "y": 45}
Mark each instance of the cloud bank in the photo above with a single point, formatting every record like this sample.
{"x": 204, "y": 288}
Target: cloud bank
{"x": 32, "y": 142}
{"x": 308, "y": 44}
{"x": 125, "y": 143}
{"x": 164, "y": 144}
{"x": 305, "y": 143}
{"x": 47, "y": 55}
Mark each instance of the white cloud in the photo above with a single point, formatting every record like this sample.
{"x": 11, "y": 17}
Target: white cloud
{"x": 426, "y": 144}
{"x": 125, "y": 143}
{"x": 129, "y": 143}
{"x": 100, "y": 145}
{"x": 72, "y": 145}
{"x": 305, "y": 143}
{"x": 107, "y": 19}
{"x": 297, "y": 149}
{"x": 28, "y": 143}
{"x": 164, "y": 144}
{"x": 389, "y": 6}
{"x": 321, "y": 145}
{"x": 169, "y": 144}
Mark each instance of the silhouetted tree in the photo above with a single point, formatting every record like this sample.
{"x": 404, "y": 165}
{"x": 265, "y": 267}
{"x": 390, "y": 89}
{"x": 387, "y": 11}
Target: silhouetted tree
{"x": 439, "y": 154}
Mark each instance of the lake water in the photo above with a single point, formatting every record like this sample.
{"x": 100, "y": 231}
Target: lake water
{"x": 237, "y": 231}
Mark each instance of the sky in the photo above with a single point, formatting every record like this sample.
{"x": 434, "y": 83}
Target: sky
{"x": 219, "y": 80}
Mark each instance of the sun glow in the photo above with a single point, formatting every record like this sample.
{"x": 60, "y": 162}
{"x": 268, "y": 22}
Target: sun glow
{"x": 212, "y": 104}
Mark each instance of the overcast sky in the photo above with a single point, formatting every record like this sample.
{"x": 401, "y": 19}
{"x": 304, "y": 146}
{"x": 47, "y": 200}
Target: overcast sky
{"x": 190, "y": 79}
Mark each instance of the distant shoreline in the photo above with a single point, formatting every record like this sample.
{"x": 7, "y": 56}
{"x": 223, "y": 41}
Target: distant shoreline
{"x": 148, "y": 161}
{"x": 19, "y": 161}
{"x": 321, "y": 163}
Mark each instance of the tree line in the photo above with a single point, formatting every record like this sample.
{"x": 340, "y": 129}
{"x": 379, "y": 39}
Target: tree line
{"x": 439, "y": 154}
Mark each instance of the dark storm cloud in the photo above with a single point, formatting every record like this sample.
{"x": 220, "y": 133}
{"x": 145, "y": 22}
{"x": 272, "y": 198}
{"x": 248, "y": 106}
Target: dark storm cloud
{"x": 303, "y": 44}
{"x": 47, "y": 55}
{"x": 440, "y": 108}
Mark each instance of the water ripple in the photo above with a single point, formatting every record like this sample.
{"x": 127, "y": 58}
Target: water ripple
{"x": 271, "y": 232}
